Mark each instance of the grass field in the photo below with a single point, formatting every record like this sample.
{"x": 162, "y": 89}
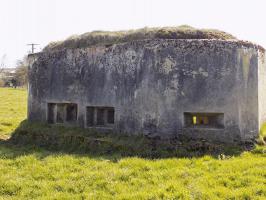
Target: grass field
{"x": 12, "y": 109}
{"x": 29, "y": 172}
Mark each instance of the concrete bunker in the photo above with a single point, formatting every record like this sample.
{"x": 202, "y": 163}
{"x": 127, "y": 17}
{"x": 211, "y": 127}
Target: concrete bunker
{"x": 166, "y": 83}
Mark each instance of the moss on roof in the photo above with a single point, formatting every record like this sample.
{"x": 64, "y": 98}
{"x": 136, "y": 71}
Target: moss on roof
{"x": 108, "y": 37}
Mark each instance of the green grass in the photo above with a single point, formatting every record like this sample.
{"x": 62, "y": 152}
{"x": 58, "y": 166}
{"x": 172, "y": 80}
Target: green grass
{"x": 30, "y": 172}
{"x": 78, "y": 140}
{"x": 12, "y": 109}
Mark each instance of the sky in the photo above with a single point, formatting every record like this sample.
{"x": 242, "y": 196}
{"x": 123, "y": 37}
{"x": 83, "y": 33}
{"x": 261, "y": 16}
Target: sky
{"x": 43, "y": 21}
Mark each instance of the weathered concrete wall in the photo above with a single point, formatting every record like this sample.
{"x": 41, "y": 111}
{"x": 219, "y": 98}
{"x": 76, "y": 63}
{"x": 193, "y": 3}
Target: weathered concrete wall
{"x": 247, "y": 81}
{"x": 262, "y": 88}
{"x": 152, "y": 83}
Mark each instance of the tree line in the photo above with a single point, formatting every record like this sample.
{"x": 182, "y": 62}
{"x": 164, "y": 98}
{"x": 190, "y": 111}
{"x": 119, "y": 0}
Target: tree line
{"x": 17, "y": 78}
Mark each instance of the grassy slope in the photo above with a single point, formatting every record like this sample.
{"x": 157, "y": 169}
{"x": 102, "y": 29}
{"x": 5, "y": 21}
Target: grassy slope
{"x": 35, "y": 173}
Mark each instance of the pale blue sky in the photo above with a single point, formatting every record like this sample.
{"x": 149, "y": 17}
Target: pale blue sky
{"x": 42, "y": 21}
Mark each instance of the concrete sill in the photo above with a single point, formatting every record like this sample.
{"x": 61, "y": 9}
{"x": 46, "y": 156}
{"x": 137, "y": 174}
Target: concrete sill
{"x": 101, "y": 127}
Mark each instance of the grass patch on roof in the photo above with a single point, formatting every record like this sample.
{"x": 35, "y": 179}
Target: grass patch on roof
{"x": 114, "y": 37}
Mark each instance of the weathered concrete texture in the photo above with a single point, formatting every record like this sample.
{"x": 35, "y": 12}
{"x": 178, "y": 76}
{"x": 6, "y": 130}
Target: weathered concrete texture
{"x": 262, "y": 88}
{"x": 151, "y": 83}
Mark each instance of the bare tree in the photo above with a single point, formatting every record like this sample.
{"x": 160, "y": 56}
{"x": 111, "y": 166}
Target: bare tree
{"x": 2, "y": 66}
{"x": 21, "y": 73}
{"x": 2, "y": 63}
{"x": 17, "y": 78}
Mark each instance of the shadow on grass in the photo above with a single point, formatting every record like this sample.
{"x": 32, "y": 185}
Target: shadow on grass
{"x": 44, "y": 140}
